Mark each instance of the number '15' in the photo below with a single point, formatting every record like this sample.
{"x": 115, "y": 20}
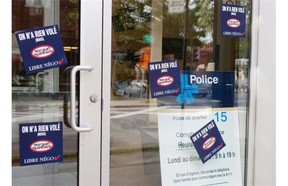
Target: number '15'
{"x": 221, "y": 116}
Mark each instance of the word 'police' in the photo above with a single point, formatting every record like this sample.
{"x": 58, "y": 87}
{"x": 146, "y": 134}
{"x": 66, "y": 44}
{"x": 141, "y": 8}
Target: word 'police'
{"x": 203, "y": 79}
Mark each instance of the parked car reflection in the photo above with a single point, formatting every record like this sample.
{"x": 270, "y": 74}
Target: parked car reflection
{"x": 135, "y": 88}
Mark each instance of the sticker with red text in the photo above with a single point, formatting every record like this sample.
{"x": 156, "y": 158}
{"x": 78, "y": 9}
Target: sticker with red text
{"x": 41, "y": 48}
{"x": 164, "y": 77}
{"x": 40, "y": 143}
{"x": 207, "y": 141}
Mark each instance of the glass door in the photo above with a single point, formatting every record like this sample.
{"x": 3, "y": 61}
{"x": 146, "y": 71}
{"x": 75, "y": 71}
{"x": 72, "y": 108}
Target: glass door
{"x": 151, "y": 133}
{"x": 47, "y": 114}
{"x": 144, "y": 81}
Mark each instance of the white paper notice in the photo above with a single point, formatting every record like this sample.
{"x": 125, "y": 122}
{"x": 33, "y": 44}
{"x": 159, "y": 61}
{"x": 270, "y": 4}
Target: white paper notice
{"x": 180, "y": 162}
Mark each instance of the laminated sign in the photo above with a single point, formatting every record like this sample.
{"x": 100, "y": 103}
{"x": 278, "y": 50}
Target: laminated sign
{"x": 40, "y": 143}
{"x": 41, "y": 48}
{"x": 199, "y": 147}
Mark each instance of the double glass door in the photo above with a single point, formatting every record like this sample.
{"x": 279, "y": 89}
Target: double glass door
{"x": 116, "y": 128}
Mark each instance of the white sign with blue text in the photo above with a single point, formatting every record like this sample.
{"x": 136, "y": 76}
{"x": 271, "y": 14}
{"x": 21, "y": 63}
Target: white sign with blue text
{"x": 179, "y": 159}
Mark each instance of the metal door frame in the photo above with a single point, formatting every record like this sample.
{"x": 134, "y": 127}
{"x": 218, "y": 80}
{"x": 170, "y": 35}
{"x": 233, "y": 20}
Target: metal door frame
{"x": 90, "y": 114}
{"x": 261, "y": 166}
{"x": 257, "y": 96}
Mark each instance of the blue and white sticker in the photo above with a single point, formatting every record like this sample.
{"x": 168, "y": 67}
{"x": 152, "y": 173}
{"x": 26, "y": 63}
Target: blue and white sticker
{"x": 40, "y": 143}
{"x": 164, "y": 77}
{"x": 233, "y": 20}
{"x": 41, "y": 48}
{"x": 207, "y": 141}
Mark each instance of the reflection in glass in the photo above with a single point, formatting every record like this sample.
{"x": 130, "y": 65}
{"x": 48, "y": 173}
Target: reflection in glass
{"x": 43, "y": 96}
{"x": 146, "y": 31}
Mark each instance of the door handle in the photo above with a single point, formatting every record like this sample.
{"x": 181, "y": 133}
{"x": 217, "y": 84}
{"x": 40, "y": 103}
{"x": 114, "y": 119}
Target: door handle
{"x": 74, "y": 70}
{"x": 66, "y": 99}
{"x": 37, "y": 79}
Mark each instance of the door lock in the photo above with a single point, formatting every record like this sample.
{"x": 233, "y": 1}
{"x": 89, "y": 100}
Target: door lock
{"x": 94, "y": 98}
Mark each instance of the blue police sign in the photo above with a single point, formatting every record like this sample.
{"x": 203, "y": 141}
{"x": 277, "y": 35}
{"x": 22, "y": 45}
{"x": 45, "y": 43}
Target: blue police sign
{"x": 40, "y": 143}
{"x": 41, "y": 48}
{"x": 204, "y": 88}
{"x": 219, "y": 84}
{"x": 207, "y": 85}
{"x": 207, "y": 141}
{"x": 233, "y": 20}
{"x": 164, "y": 78}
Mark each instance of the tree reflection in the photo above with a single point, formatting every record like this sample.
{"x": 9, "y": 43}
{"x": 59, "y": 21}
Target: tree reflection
{"x": 137, "y": 15}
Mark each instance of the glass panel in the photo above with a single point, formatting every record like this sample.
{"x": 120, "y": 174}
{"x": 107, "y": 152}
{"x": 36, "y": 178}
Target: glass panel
{"x": 43, "y": 96}
{"x": 189, "y": 31}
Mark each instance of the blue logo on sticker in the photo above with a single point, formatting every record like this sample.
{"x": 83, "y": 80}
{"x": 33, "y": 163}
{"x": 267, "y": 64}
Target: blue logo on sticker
{"x": 187, "y": 90}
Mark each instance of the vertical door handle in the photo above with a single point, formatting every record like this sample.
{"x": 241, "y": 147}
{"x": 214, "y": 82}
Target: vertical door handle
{"x": 74, "y": 70}
{"x": 37, "y": 79}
